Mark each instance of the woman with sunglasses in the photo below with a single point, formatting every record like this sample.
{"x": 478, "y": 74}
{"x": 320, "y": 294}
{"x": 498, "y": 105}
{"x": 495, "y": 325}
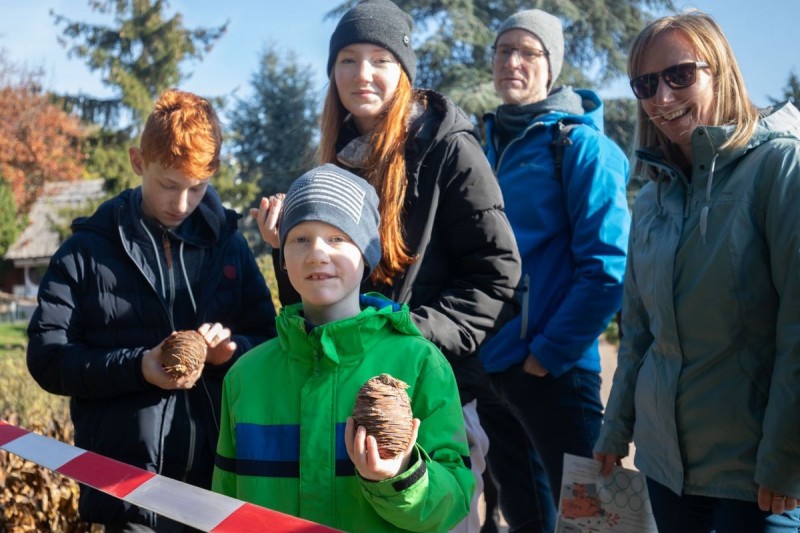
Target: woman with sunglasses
{"x": 707, "y": 379}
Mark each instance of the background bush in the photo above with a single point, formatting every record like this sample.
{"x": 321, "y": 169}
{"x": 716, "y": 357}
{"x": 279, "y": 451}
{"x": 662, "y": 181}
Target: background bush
{"x": 33, "y": 498}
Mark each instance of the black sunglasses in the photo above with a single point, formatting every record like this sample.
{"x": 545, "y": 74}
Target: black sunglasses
{"x": 676, "y": 77}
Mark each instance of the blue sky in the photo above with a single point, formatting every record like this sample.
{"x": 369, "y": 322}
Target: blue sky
{"x": 763, "y": 34}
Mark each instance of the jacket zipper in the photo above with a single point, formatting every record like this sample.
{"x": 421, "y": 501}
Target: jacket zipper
{"x": 689, "y": 190}
{"x": 170, "y": 272}
{"x": 520, "y": 136}
{"x": 171, "y": 280}
{"x": 526, "y": 294}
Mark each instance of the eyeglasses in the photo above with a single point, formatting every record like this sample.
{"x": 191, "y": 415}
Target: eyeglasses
{"x": 678, "y": 76}
{"x": 526, "y": 55}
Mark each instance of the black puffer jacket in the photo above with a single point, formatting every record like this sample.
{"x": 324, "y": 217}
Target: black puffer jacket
{"x": 462, "y": 288}
{"x": 102, "y": 304}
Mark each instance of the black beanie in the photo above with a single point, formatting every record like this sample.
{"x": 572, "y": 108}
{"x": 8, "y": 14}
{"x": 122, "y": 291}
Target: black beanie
{"x": 378, "y": 22}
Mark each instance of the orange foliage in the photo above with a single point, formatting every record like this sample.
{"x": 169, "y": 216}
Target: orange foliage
{"x": 39, "y": 142}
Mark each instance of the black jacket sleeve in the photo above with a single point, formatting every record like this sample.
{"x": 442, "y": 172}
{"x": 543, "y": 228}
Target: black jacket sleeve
{"x": 478, "y": 254}
{"x": 58, "y": 356}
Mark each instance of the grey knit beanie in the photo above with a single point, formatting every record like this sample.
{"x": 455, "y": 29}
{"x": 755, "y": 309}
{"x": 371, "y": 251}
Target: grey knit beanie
{"x": 378, "y": 22}
{"x": 340, "y": 198}
{"x": 547, "y": 28}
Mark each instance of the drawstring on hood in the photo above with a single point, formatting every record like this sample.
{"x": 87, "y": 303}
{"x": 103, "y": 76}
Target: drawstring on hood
{"x": 168, "y": 261}
{"x": 707, "y": 207}
{"x": 659, "y": 205}
{"x": 186, "y": 278}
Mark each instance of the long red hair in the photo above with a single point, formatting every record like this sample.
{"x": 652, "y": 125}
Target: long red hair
{"x": 384, "y": 167}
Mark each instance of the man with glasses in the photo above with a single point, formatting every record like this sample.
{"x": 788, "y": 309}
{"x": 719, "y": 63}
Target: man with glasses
{"x": 563, "y": 182}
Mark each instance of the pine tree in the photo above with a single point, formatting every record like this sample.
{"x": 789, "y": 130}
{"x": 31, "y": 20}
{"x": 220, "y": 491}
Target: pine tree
{"x": 273, "y": 131}
{"x": 791, "y": 91}
{"x": 138, "y": 56}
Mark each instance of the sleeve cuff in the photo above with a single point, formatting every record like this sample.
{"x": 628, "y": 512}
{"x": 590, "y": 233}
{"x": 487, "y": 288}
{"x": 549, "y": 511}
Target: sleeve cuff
{"x": 417, "y": 470}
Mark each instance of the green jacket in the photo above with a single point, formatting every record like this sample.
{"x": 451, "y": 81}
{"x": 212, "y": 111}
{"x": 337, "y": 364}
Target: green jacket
{"x": 707, "y": 379}
{"x": 284, "y": 408}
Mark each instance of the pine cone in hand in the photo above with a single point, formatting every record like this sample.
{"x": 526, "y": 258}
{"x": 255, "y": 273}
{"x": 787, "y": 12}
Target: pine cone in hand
{"x": 183, "y": 352}
{"x": 384, "y": 410}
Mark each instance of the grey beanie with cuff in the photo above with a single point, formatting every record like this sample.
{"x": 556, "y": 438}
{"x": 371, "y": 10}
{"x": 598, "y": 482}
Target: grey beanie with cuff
{"x": 378, "y": 22}
{"x": 547, "y": 28}
{"x": 337, "y": 197}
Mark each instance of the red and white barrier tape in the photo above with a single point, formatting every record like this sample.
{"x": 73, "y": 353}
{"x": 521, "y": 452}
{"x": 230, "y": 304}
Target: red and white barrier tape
{"x": 190, "y": 505}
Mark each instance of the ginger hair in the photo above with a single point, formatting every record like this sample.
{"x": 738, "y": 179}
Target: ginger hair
{"x": 183, "y": 132}
{"x": 384, "y": 168}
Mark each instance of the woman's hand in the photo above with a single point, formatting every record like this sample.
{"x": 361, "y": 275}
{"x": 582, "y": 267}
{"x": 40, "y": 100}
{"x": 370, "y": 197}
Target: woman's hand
{"x": 363, "y": 451}
{"x": 220, "y": 346}
{"x": 769, "y": 500}
{"x": 267, "y": 215}
{"x": 608, "y": 461}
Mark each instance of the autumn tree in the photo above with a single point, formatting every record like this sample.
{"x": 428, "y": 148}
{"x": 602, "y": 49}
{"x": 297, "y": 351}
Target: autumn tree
{"x": 39, "y": 142}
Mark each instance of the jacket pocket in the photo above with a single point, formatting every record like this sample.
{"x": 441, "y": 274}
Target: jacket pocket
{"x": 646, "y": 391}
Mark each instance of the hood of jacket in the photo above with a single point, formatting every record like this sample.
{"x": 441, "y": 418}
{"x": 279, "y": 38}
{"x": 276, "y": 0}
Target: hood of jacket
{"x": 204, "y": 227}
{"x": 343, "y": 340}
{"x": 781, "y": 121}
{"x": 578, "y": 106}
{"x": 440, "y": 118}
{"x": 709, "y": 161}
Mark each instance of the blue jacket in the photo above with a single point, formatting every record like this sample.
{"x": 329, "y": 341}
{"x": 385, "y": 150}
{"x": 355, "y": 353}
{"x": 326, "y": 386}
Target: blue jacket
{"x": 572, "y": 236}
{"x": 105, "y": 299}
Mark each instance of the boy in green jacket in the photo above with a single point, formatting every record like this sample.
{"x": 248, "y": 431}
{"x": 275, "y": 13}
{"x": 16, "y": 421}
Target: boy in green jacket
{"x": 287, "y": 440}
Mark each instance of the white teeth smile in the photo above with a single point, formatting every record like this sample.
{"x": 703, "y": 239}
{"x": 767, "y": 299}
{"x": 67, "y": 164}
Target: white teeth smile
{"x": 674, "y": 114}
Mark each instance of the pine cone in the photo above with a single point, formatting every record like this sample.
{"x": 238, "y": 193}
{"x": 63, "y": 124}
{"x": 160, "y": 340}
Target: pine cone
{"x": 183, "y": 352}
{"x": 384, "y": 410}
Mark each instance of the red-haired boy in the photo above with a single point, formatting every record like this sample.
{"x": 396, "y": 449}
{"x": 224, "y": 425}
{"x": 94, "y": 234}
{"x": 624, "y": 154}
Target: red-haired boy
{"x": 163, "y": 257}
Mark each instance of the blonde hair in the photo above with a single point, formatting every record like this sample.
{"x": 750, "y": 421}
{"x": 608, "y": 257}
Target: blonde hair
{"x": 183, "y": 132}
{"x": 384, "y": 168}
{"x": 732, "y": 105}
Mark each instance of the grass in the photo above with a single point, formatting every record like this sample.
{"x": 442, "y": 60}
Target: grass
{"x": 22, "y": 396}
{"x": 13, "y": 333}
